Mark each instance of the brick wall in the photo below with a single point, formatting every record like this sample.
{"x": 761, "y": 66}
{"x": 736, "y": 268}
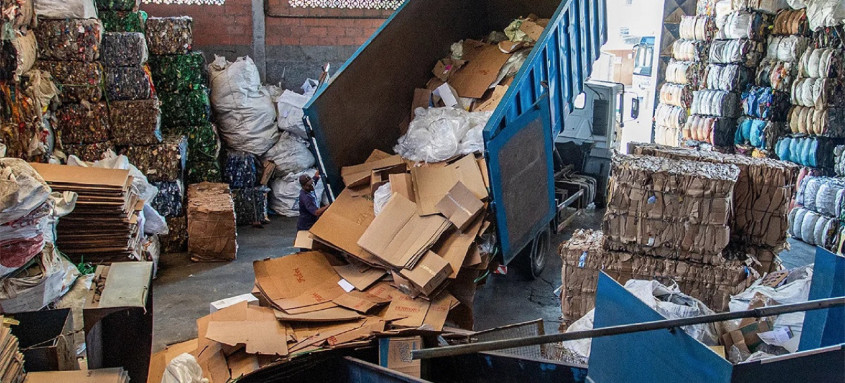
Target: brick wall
{"x": 298, "y": 41}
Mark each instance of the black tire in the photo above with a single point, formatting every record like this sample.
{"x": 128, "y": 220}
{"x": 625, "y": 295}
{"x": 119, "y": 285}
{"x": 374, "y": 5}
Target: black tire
{"x": 540, "y": 248}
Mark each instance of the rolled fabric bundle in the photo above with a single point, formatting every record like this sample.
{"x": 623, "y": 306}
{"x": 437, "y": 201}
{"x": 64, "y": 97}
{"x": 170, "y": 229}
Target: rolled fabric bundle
{"x": 117, "y": 21}
{"x": 84, "y": 123}
{"x": 829, "y": 37}
{"x": 670, "y": 116}
{"x": 118, "y": 5}
{"x": 716, "y": 131}
{"x": 813, "y": 228}
{"x": 124, "y": 49}
{"x": 776, "y": 74}
{"x": 251, "y": 205}
{"x": 715, "y": 103}
{"x": 817, "y": 92}
{"x": 88, "y": 152}
{"x": 684, "y": 73}
{"x": 839, "y": 153}
{"x": 677, "y": 95}
{"x": 128, "y": 83}
{"x": 172, "y": 73}
{"x": 815, "y": 152}
{"x": 69, "y": 39}
{"x": 828, "y": 122}
{"x": 241, "y": 170}
{"x": 767, "y": 6}
{"x": 765, "y": 103}
{"x": 787, "y": 48}
{"x": 829, "y": 197}
{"x": 727, "y": 77}
{"x": 78, "y": 81}
{"x": 184, "y": 108}
{"x": 169, "y": 35}
{"x": 705, "y": 7}
{"x": 688, "y": 50}
{"x": 135, "y": 122}
{"x": 745, "y": 25}
{"x": 754, "y": 132}
{"x": 808, "y": 190}
{"x": 667, "y": 135}
{"x": 742, "y": 51}
{"x": 701, "y": 28}
{"x": 791, "y": 22}
{"x": 821, "y": 63}
{"x": 18, "y": 55}
{"x": 160, "y": 162}
{"x": 169, "y": 202}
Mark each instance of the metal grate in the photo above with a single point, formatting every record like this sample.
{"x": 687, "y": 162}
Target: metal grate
{"x": 347, "y": 4}
{"x": 519, "y": 330}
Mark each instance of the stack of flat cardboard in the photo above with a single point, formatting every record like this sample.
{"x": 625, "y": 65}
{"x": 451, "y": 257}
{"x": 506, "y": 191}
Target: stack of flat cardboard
{"x": 106, "y": 375}
{"x": 11, "y": 359}
{"x": 212, "y": 229}
{"x": 104, "y": 225}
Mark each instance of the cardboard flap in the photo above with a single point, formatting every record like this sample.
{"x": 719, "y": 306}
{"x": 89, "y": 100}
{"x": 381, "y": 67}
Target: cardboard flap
{"x": 358, "y": 175}
{"x": 483, "y": 65}
{"x": 361, "y": 280}
{"x": 127, "y": 285}
{"x": 334, "y": 314}
{"x": 491, "y": 103}
{"x": 297, "y": 280}
{"x": 455, "y": 247}
{"x": 460, "y": 206}
{"x": 259, "y": 337}
{"x": 359, "y": 301}
{"x": 431, "y": 184}
{"x": 429, "y": 273}
{"x": 402, "y": 184}
{"x": 343, "y": 223}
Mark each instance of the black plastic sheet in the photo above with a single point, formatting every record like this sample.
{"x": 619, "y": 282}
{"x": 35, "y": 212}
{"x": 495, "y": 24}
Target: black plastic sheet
{"x": 78, "y": 81}
{"x": 169, "y": 35}
{"x": 251, "y": 205}
{"x": 124, "y": 49}
{"x": 169, "y": 202}
{"x": 160, "y": 162}
{"x": 84, "y": 123}
{"x": 241, "y": 170}
{"x": 89, "y": 152}
{"x": 135, "y": 122}
{"x": 128, "y": 83}
{"x": 184, "y": 108}
{"x": 116, "y": 21}
{"x": 118, "y": 5}
{"x": 172, "y": 73}
{"x": 69, "y": 40}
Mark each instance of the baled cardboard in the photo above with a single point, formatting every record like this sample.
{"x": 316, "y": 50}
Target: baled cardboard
{"x": 432, "y": 183}
{"x": 398, "y": 236}
{"x": 429, "y": 273}
{"x": 358, "y": 175}
{"x": 460, "y": 206}
{"x": 361, "y": 280}
{"x": 455, "y": 247}
{"x": 403, "y": 184}
{"x": 343, "y": 223}
{"x": 484, "y": 61}
{"x": 260, "y": 337}
{"x": 333, "y": 314}
{"x": 395, "y": 354}
{"x": 212, "y": 230}
{"x": 297, "y": 280}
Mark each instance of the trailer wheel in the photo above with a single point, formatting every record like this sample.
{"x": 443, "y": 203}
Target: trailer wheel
{"x": 540, "y": 248}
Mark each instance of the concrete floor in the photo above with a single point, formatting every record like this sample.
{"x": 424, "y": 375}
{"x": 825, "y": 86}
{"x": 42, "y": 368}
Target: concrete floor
{"x": 183, "y": 290}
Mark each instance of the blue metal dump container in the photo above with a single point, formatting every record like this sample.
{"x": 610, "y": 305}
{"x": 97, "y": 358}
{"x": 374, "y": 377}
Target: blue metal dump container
{"x": 370, "y": 97}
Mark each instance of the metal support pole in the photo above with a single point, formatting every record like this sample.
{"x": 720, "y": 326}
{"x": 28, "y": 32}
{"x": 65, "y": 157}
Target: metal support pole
{"x": 471, "y": 348}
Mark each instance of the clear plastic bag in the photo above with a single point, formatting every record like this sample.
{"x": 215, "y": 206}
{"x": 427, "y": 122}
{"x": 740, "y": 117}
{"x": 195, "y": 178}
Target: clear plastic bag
{"x": 437, "y": 134}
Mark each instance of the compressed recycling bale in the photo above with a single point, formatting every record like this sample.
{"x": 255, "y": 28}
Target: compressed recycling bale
{"x": 813, "y": 228}
{"x": 674, "y": 240}
{"x": 124, "y": 49}
{"x": 184, "y": 108}
{"x": 116, "y": 21}
{"x": 169, "y": 35}
{"x": 203, "y": 151}
{"x": 241, "y": 170}
{"x": 176, "y": 239}
{"x": 135, "y": 122}
{"x": 128, "y": 83}
{"x": 204, "y": 171}
{"x": 17, "y": 55}
{"x": 172, "y": 73}
{"x": 160, "y": 162}
{"x": 251, "y": 205}
{"x": 85, "y": 123}
{"x": 69, "y": 39}
{"x": 212, "y": 229}
{"x": 21, "y": 13}
{"x": 169, "y": 202}
{"x": 89, "y": 152}
{"x": 814, "y": 152}
{"x": 79, "y": 81}
{"x": 118, "y": 5}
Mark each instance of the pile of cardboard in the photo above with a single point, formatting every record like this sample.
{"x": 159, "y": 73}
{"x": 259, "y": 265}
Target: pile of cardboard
{"x": 212, "y": 232}
{"x": 584, "y": 256}
{"x": 104, "y": 225}
{"x": 11, "y": 359}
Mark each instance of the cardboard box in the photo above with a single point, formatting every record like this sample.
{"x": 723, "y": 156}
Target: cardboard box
{"x": 46, "y": 340}
{"x": 460, "y": 206}
{"x": 432, "y": 183}
{"x": 398, "y": 236}
{"x": 402, "y": 184}
{"x": 455, "y": 246}
{"x": 429, "y": 273}
{"x": 359, "y": 175}
{"x": 212, "y": 229}
{"x": 226, "y": 302}
{"x": 298, "y": 281}
{"x": 395, "y": 354}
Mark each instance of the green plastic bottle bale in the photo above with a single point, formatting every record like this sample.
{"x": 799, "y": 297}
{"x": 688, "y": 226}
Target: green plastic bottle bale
{"x": 172, "y": 73}
{"x": 203, "y": 171}
{"x": 118, "y": 5}
{"x": 118, "y": 21}
{"x": 203, "y": 143}
{"x": 184, "y": 108}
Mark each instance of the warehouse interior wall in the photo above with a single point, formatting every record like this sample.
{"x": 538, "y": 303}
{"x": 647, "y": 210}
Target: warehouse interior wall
{"x": 289, "y": 45}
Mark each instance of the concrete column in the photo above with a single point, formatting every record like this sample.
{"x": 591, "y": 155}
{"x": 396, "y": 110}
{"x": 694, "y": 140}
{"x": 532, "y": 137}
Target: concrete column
{"x": 258, "y": 34}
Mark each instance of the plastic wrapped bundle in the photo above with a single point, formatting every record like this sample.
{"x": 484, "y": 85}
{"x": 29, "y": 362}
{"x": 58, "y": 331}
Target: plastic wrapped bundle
{"x": 743, "y": 51}
{"x": 729, "y": 78}
{"x": 821, "y": 63}
{"x": 169, "y": 202}
{"x": 762, "y": 102}
{"x": 173, "y": 73}
{"x": 776, "y": 74}
{"x": 89, "y": 152}
{"x": 18, "y": 55}
{"x": 815, "y": 152}
{"x": 161, "y": 162}
{"x": 677, "y": 95}
{"x": 184, "y": 108}
{"x": 813, "y": 228}
{"x": 715, "y": 103}
{"x": 670, "y": 116}
{"x": 822, "y": 194}
{"x": 701, "y": 28}
{"x": 128, "y": 83}
{"x": 86, "y": 123}
{"x": 817, "y": 121}
{"x": 118, "y": 5}
{"x": 176, "y": 239}
{"x": 124, "y": 49}
{"x": 716, "y": 131}
{"x": 791, "y": 22}
{"x": 685, "y": 73}
{"x": 766, "y": 6}
{"x": 817, "y": 92}
{"x": 135, "y": 122}
{"x": 829, "y": 37}
{"x": 667, "y": 135}
{"x": 839, "y": 153}
{"x": 745, "y": 25}
{"x": 251, "y": 205}
{"x": 688, "y": 50}
{"x": 760, "y": 134}
{"x": 69, "y": 39}
{"x": 241, "y": 170}
{"x": 169, "y": 35}
{"x": 116, "y": 21}
{"x": 786, "y": 48}
{"x": 79, "y": 81}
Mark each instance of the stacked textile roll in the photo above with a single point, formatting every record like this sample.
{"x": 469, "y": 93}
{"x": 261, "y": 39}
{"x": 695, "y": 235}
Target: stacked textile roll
{"x": 819, "y": 211}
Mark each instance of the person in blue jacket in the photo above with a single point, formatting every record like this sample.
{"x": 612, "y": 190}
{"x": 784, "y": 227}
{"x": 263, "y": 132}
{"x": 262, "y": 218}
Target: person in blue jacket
{"x": 309, "y": 203}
